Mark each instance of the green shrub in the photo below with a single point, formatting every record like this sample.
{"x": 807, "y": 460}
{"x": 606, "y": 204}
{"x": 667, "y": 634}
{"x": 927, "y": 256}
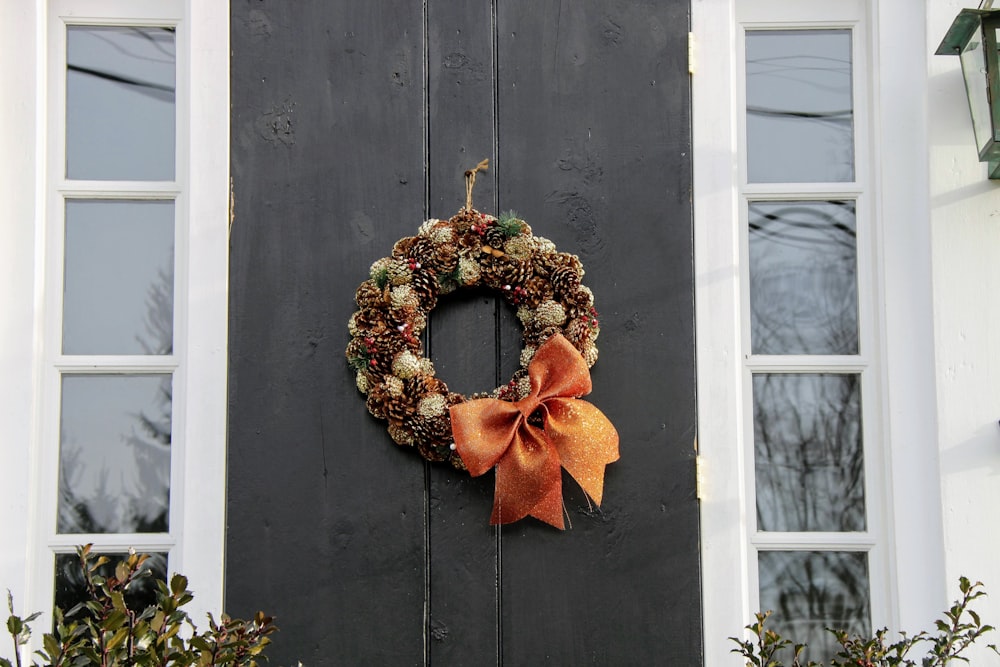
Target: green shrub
{"x": 960, "y": 628}
{"x": 103, "y": 630}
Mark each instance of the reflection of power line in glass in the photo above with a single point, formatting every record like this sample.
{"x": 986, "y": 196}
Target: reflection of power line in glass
{"x": 801, "y": 74}
{"x": 159, "y": 41}
{"x": 799, "y": 106}
{"x": 843, "y": 117}
{"x": 825, "y": 228}
{"x": 803, "y": 287}
{"x": 155, "y": 90}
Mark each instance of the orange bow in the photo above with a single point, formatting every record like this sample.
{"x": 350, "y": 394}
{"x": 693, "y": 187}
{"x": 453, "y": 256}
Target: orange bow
{"x": 574, "y": 434}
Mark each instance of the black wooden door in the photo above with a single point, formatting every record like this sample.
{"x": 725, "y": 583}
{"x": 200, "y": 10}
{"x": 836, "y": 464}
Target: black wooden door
{"x": 352, "y": 123}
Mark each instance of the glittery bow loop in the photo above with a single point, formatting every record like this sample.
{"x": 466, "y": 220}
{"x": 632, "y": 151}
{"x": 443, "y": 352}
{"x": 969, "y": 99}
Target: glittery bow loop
{"x": 572, "y": 434}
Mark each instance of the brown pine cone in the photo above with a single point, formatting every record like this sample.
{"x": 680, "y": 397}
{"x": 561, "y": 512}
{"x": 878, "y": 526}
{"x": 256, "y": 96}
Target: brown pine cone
{"x": 369, "y": 295}
{"x": 445, "y": 258}
{"x": 403, "y": 314}
{"x": 421, "y": 429}
{"x": 537, "y": 289}
{"x": 432, "y": 440}
{"x": 536, "y": 335}
{"x": 549, "y": 262}
{"x": 422, "y": 250}
{"x": 491, "y": 272}
{"x": 434, "y": 428}
{"x": 390, "y": 344}
{"x": 470, "y": 241}
{"x": 434, "y": 452}
{"x": 494, "y": 237}
{"x": 400, "y": 407}
{"x": 371, "y": 321}
{"x": 425, "y": 284}
{"x": 376, "y": 401}
{"x": 579, "y": 332}
{"x": 564, "y": 280}
{"x": 464, "y": 219}
{"x": 401, "y": 249}
{"x": 580, "y": 304}
{"x": 420, "y": 385}
{"x": 387, "y": 347}
{"x": 513, "y": 272}
{"x": 400, "y": 434}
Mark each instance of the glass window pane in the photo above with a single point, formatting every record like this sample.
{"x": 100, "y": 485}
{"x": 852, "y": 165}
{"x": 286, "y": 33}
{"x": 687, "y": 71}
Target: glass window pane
{"x": 808, "y": 458}
{"x": 71, "y": 587}
{"x": 120, "y": 103}
{"x": 803, "y": 277}
{"x": 119, "y": 277}
{"x": 809, "y": 591}
{"x": 800, "y": 117}
{"x": 973, "y": 60}
{"x": 114, "y": 458}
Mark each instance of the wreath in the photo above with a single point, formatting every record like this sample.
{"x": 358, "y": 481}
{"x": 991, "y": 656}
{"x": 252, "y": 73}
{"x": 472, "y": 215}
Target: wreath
{"x": 528, "y": 428}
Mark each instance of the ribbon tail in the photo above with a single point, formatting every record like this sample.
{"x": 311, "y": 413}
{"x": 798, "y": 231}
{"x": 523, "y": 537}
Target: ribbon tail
{"x": 585, "y": 440}
{"x": 550, "y": 508}
{"x": 529, "y": 480}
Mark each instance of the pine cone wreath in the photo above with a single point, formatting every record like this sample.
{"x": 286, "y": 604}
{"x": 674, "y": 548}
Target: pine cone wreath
{"x": 469, "y": 249}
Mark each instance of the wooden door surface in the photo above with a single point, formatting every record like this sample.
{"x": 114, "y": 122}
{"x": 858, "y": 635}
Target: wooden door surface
{"x": 352, "y": 122}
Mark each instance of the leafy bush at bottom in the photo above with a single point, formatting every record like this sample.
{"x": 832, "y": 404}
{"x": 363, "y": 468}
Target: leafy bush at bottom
{"x": 103, "y": 630}
{"x": 960, "y": 628}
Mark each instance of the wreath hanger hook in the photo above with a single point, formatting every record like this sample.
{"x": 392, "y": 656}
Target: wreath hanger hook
{"x": 470, "y": 181}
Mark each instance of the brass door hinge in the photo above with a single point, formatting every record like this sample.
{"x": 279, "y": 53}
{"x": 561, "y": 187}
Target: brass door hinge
{"x": 691, "y": 53}
{"x": 699, "y": 477}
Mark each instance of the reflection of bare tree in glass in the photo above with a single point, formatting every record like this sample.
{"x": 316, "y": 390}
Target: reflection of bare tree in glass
{"x": 152, "y": 442}
{"x": 808, "y": 454}
{"x": 75, "y": 514}
{"x": 142, "y": 504}
{"x": 810, "y": 591}
{"x": 803, "y": 277}
{"x": 159, "y": 319}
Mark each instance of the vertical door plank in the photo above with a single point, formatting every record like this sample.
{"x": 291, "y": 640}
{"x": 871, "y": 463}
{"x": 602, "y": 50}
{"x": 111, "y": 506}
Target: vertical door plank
{"x": 462, "y": 334}
{"x": 593, "y": 129}
{"x": 326, "y": 515}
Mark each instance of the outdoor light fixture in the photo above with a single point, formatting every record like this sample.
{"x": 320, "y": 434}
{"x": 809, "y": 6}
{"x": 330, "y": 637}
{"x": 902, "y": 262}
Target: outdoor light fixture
{"x": 973, "y": 38}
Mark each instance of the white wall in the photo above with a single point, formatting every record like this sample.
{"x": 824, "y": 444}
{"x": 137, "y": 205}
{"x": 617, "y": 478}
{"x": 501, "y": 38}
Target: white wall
{"x": 18, "y": 77}
{"x": 965, "y": 221}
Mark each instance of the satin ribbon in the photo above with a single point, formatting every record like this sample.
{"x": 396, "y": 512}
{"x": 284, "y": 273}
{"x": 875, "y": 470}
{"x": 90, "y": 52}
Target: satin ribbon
{"x": 574, "y": 435}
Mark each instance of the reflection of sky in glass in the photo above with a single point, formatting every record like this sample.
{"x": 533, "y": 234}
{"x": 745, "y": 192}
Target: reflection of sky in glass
{"x": 120, "y": 103}
{"x": 119, "y": 277}
{"x": 114, "y": 459}
{"x": 71, "y": 587}
{"x": 808, "y": 458}
{"x": 803, "y": 277}
{"x": 809, "y": 591}
{"x": 800, "y": 119}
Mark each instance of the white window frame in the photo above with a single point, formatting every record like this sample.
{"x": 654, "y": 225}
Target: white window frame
{"x": 34, "y": 184}
{"x": 902, "y": 486}
{"x": 761, "y": 16}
